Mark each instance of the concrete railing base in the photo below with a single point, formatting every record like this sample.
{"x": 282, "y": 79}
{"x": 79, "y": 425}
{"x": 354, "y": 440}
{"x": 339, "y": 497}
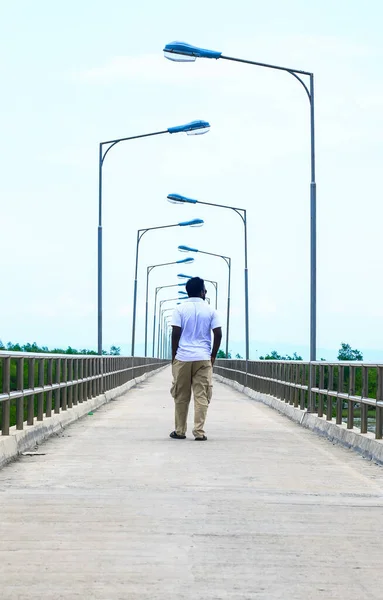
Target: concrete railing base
{"x": 363, "y": 443}
{"x": 11, "y": 446}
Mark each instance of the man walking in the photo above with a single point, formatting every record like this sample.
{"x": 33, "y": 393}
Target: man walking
{"x": 193, "y": 358}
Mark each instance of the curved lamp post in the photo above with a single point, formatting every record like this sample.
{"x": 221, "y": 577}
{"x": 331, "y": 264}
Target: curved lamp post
{"x": 178, "y": 199}
{"x": 227, "y": 260}
{"x": 161, "y": 326}
{"x": 167, "y": 338}
{"x": 214, "y": 283}
{"x": 161, "y": 287}
{"x": 140, "y": 234}
{"x": 192, "y": 128}
{"x": 179, "y": 51}
{"x": 148, "y": 271}
{"x": 162, "y": 302}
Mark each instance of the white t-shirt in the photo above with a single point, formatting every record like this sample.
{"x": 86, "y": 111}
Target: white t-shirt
{"x": 196, "y": 319}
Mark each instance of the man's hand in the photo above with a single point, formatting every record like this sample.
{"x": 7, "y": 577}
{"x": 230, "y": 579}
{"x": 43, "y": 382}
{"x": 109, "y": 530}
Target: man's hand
{"x": 217, "y": 333}
{"x": 176, "y": 335}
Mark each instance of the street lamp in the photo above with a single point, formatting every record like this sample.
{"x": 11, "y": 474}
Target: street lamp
{"x": 227, "y": 260}
{"x": 192, "y": 128}
{"x": 179, "y": 51}
{"x": 178, "y": 199}
{"x": 168, "y": 300}
{"x": 161, "y": 287}
{"x": 214, "y": 283}
{"x": 140, "y": 234}
{"x": 161, "y": 326}
{"x": 159, "y": 320}
{"x": 148, "y": 271}
{"x": 166, "y": 353}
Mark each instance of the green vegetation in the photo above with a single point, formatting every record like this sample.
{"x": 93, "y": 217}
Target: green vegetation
{"x": 345, "y": 353}
{"x": 348, "y": 353}
{"x": 275, "y": 356}
{"x": 114, "y": 350}
{"x": 222, "y": 354}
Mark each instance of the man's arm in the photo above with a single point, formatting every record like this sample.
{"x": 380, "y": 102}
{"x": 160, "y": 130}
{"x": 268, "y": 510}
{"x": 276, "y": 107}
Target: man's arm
{"x": 176, "y": 335}
{"x": 217, "y": 332}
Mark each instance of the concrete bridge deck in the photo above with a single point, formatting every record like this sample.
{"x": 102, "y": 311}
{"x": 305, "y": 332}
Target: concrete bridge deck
{"x": 115, "y": 509}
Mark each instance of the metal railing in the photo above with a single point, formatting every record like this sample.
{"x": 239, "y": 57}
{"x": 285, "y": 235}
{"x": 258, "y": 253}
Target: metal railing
{"x": 347, "y": 392}
{"x": 32, "y": 386}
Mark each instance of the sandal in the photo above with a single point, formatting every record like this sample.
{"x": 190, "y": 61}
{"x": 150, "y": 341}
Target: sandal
{"x": 201, "y": 439}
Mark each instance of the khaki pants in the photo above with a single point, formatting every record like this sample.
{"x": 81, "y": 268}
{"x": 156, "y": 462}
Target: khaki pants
{"x": 187, "y": 376}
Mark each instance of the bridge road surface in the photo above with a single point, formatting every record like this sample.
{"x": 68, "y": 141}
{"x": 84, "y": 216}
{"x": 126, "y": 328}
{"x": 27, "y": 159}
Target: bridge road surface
{"x": 264, "y": 509}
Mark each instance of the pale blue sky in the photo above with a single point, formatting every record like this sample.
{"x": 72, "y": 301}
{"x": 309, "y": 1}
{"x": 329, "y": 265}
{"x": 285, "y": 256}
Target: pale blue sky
{"x": 76, "y": 73}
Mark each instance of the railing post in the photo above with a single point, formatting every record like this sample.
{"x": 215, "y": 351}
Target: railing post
{"x": 48, "y": 410}
{"x": 350, "y": 404}
{"x": 98, "y": 387}
{"x": 85, "y": 382}
{"x": 330, "y": 388}
{"x": 6, "y": 404}
{"x": 40, "y": 395}
{"x": 321, "y": 387}
{"x": 80, "y": 378}
{"x": 339, "y": 401}
{"x": 311, "y": 395}
{"x": 64, "y": 381}
{"x": 57, "y": 380}
{"x": 363, "y": 406}
{"x": 70, "y": 387}
{"x": 289, "y": 389}
{"x": 296, "y": 389}
{"x": 91, "y": 393}
{"x": 95, "y": 380}
{"x": 279, "y": 384}
{"x": 31, "y": 386}
{"x": 303, "y": 383}
{"x": 20, "y": 388}
{"x": 379, "y": 409}
{"x": 75, "y": 379}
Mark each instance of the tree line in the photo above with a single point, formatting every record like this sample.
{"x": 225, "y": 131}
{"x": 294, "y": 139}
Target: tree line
{"x": 114, "y": 350}
{"x": 345, "y": 352}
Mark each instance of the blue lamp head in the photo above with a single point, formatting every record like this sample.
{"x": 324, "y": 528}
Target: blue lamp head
{"x": 182, "y": 276}
{"x": 192, "y": 223}
{"x": 183, "y": 293}
{"x": 181, "y": 284}
{"x": 192, "y": 128}
{"x": 187, "y": 249}
{"x": 182, "y": 52}
{"x": 178, "y": 199}
{"x": 185, "y": 260}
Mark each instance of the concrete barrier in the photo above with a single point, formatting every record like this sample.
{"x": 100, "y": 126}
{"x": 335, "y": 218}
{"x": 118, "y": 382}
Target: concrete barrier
{"x": 363, "y": 443}
{"x": 18, "y": 441}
